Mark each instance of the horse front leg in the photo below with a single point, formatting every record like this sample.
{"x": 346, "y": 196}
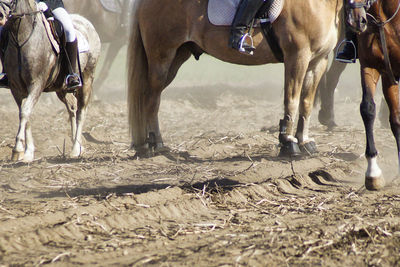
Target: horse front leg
{"x": 24, "y": 146}
{"x": 373, "y": 176}
{"x": 310, "y": 84}
{"x": 295, "y": 70}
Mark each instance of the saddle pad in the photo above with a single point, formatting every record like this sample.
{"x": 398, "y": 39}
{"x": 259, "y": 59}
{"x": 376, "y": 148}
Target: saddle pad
{"x": 83, "y": 44}
{"x": 222, "y": 12}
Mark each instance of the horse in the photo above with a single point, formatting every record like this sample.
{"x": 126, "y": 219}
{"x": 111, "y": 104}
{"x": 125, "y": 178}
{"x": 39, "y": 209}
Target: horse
{"x": 379, "y": 53}
{"x": 33, "y": 67}
{"x": 158, "y": 47}
{"x": 111, "y": 27}
{"x": 326, "y": 92}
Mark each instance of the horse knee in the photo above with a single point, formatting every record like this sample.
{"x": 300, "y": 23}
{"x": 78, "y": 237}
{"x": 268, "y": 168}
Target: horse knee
{"x": 368, "y": 110}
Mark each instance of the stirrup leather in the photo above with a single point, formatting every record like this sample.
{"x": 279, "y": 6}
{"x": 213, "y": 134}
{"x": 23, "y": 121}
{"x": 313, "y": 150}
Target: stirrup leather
{"x": 343, "y": 43}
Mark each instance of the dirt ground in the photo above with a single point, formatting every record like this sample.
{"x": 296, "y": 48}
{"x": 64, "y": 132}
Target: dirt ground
{"x": 220, "y": 197}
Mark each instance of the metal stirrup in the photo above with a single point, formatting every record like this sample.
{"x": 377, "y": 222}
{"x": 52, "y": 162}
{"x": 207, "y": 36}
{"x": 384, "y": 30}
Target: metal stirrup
{"x": 73, "y": 75}
{"x": 342, "y": 43}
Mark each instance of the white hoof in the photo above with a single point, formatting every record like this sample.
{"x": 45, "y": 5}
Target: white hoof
{"x": 76, "y": 152}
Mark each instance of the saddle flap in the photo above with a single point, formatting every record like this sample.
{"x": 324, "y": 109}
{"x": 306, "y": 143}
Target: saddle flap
{"x": 83, "y": 43}
{"x": 50, "y": 34}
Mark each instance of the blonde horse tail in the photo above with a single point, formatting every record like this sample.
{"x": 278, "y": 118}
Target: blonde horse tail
{"x": 137, "y": 82}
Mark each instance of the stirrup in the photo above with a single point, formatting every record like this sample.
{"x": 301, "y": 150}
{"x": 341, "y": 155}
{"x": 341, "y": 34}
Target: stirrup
{"x": 250, "y": 50}
{"x": 343, "y": 43}
{"x": 73, "y": 87}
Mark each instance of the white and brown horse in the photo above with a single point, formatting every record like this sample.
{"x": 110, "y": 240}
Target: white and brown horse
{"x": 33, "y": 66}
{"x": 165, "y": 33}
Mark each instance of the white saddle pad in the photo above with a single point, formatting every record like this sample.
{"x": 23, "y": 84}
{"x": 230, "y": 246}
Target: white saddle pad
{"x": 83, "y": 44}
{"x": 222, "y": 12}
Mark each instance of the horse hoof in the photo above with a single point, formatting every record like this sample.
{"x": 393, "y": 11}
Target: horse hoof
{"x": 161, "y": 149}
{"x": 290, "y": 149}
{"x": 143, "y": 151}
{"x": 17, "y": 156}
{"x": 76, "y": 152}
{"x": 327, "y": 121}
{"x": 374, "y": 183}
{"x": 309, "y": 148}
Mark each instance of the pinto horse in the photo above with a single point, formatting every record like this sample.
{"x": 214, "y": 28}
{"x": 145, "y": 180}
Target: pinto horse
{"x": 159, "y": 46}
{"x": 33, "y": 66}
{"x": 379, "y": 52}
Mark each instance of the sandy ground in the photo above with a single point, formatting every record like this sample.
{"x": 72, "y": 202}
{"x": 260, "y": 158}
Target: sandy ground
{"x": 220, "y": 197}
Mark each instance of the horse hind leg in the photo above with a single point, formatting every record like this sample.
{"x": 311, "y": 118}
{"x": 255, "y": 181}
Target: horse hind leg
{"x": 310, "y": 84}
{"x": 391, "y": 93}
{"x": 327, "y": 87}
{"x": 295, "y": 70}
{"x": 83, "y": 97}
{"x": 161, "y": 75}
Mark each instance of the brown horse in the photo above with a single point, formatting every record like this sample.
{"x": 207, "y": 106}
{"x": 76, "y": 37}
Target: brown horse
{"x": 111, "y": 27}
{"x": 159, "y": 46}
{"x": 379, "y": 52}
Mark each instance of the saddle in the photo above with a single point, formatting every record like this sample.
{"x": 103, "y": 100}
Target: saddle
{"x": 222, "y": 13}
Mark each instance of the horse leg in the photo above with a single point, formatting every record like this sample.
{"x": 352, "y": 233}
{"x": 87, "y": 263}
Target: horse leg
{"x": 70, "y": 103}
{"x": 162, "y": 75}
{"x": 83, "y": 97}
{"x": 111, "y": 54}
{"x": 373, "y": 176}
{"x": 295, "y": 71}
{"x": 391, "y": 92}
{"x": 310, "y": 84}
{"x": 24, "y": 147}
{"x": 327, "y": 87}
{"x": 384, "y": 114}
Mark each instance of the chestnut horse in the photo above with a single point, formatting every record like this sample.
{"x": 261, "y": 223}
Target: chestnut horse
{"x": 33, "y": 67}
{"x": 379, "y": 52}
{"x": 111, "y": 27}
{"x": 179, "y": 29}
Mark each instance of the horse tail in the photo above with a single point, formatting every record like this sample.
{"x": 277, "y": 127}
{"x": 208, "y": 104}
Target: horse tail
{"x": 137, "y": 81}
